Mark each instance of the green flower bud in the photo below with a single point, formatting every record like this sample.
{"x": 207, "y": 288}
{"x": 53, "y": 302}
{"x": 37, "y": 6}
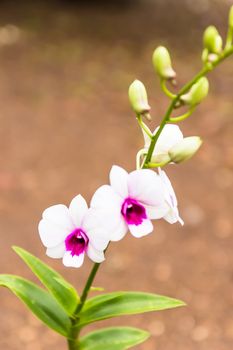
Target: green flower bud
{"x": 231, "y": 17}
{"x": 138, "y": 98}
{"x": 162, "y": 63}
{"x": 197, "y": 92}
{"x": 185, "y": 149}
{"x": 212, "y": 40}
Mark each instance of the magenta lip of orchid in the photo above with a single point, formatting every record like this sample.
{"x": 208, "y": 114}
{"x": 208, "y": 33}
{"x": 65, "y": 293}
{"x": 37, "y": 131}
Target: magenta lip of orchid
{"x": 133, "y": 212}
{"x": 76, "y": 242}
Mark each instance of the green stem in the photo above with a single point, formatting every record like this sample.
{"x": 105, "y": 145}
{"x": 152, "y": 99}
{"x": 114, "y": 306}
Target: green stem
{"x": 183, "y": 116}
{"x": 87, "y": 288}
{"x": 165, "y": 89}
{"x": 144, "y": 126}
{"x": 206, "y": 69}
{"x": 73, "y": 342}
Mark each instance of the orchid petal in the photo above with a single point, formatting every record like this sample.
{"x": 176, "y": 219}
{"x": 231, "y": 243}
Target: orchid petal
{"x": 120, "y": 231}
{"x": 56, "y": 252}
{"x": 145, "y": 186}
{"x": 169, "y": 191}
{"x": 157, "y": 212}
{"x": 59, "y": 215}
{"x": 118, "y": 180}
{"x": 105, "y": 197}
{"x": 77, "y": 209}
{"x": 73, "y": 261}
{"x": 147, "y": 139}
{"x": 51, "y": 234}
{"x": 94, "y": 254}
{"x": 141, "y": 230}
{"x": 170, "y": 135}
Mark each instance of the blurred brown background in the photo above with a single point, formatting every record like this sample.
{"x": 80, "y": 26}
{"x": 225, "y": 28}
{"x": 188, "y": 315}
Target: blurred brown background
{"x": 65, "y": 68}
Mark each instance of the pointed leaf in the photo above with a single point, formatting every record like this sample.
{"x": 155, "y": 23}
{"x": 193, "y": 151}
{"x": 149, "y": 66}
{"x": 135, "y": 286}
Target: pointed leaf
{"x": 63, "y": 291}
{"x": 40, "y": 302}
{"x": 114, "y": 338}
{"x": 124, "y": 303}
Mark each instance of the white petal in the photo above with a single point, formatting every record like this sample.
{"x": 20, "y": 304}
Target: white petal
{"x": 59, "y": 215}
{"x": 56, "y": 252}
{"x": 120, "y": 231}
{"x": 173, "y": 213}
{"x": 94, "y": 254}
{"x": 146, "y": 187}
{"x": 118, "y": 181}
{"x": 51, "y": 234}
{"x": 169, "y": 191}
{"x": 98, "y": 242}
{"x": 141, "y": 230}
{"x": 107, "y": 224}
{"x": 170, "y": 135}
{"x": 147, "y": 139}
{"x": 157, "y": 212}
{"x": 78, "y": 208}
{"x": 93, "y": 224}
{"x": 173, "y": 216}
{"x": 105, "y": 197}
{"x": 73, "y": 261}
{"x": 98, "y": 236}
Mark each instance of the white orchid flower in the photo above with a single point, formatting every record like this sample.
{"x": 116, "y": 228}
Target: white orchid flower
{"x": 130, "y": 202}
{"x": 69, "y": 233}
{"x": 169, "y": 137}
{"x": 173, "y": 214}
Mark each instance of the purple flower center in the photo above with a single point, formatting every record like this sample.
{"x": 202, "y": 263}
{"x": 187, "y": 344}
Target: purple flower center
{"x": 134, "y": 213}
{"x": 76, "y": 242}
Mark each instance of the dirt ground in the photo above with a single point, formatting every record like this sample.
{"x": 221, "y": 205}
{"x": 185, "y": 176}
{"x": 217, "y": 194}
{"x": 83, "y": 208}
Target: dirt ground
{"x": 65, "y": 120}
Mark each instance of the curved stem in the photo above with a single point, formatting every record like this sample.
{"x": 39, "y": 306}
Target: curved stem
{"x": 157, "y": 165}
{"x": 141, "y": 152}
{"x": 183, "y": 116}
{"x": 144, "y": 126}
{"x": 165, "y": 89}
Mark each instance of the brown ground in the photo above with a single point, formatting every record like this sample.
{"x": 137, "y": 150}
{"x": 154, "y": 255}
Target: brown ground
{"x": 65, "y": 120}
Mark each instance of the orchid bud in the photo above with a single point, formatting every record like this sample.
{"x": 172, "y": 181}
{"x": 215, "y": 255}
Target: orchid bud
{"x": 197, "y": 92}
{"x": 212, "y": 40}
{"x": 162, "y": 63}
{"x": 185, "y": 149}
{"x": 231, "y": 17}
{"x": 138, "y": 98}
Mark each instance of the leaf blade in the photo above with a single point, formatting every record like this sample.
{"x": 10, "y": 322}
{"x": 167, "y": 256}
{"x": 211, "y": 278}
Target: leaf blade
{"x": 114, "y": 338}
{"x": 61, "y": 290}
{"x": 124, "y": 303}
{"x": 40, "y": 302}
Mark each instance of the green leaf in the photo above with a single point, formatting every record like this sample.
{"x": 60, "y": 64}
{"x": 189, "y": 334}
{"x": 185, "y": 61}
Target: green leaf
{"x": 40, "y": 302}
{"x": 114, "y": 338}
{"x": 63, "y": 291}
{"x": 124, "y": 303}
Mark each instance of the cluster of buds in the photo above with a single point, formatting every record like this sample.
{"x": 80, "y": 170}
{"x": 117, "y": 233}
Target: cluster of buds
{"x": 171, "y": 146}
